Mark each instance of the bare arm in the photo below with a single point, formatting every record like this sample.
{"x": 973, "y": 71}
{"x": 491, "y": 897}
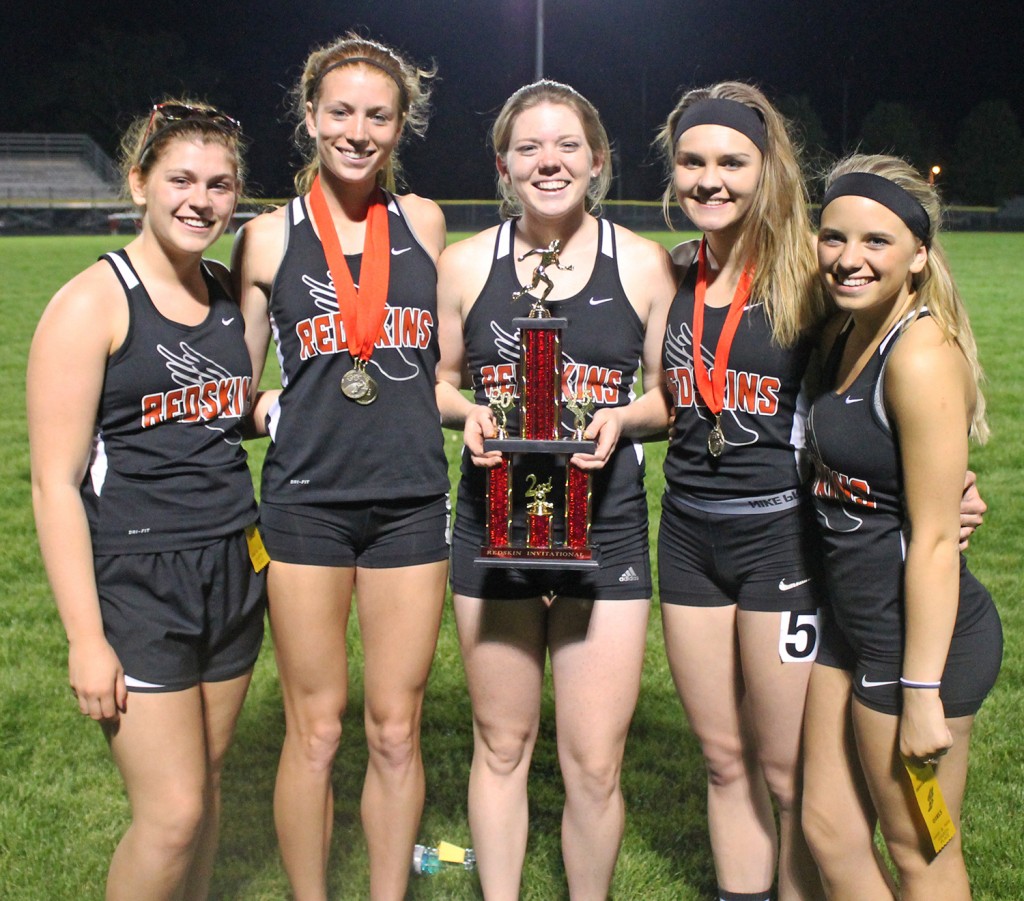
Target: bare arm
{"x": 78, "y": 331}
{"x": 930, "y": 398}
{"x": 461, "y": 273}
{"x": 255, "y": 258}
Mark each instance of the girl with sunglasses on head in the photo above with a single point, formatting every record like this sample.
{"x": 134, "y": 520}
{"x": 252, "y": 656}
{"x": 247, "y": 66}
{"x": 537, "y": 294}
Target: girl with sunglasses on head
{"x": 914, "y": 643}
{"x": 355, "y": 482}
{"x": 554, "y": 168}
{"x": 138, "y": 381}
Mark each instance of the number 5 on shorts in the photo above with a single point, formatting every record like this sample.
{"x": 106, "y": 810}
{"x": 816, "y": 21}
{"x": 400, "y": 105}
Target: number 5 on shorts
{"x": 798, "y": 636}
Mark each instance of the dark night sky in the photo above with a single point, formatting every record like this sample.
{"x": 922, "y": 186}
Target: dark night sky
{"x": 631, "y": 57}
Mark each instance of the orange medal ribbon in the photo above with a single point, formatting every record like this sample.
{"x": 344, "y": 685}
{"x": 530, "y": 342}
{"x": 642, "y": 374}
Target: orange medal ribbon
{"x": 363, "y": 311}
{"x": 712, "y": 388}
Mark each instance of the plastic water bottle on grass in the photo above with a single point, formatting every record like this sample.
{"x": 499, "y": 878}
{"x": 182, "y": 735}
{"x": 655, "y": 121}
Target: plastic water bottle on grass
{"x": 426, "y": 860}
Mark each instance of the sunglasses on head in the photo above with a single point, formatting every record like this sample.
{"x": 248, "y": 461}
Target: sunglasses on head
{"x": 181, "y": 112}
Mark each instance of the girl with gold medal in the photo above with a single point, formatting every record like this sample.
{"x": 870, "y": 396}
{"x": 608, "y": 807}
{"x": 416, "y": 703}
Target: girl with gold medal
{"x": 354, "y": 497}
{"x": 739, "y": 604}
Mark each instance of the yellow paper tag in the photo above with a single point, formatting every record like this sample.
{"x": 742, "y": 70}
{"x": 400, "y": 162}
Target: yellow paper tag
{"x": 933, "y": 805}
{"x": 449, "y": 853}
{"x": 257, "y": 552}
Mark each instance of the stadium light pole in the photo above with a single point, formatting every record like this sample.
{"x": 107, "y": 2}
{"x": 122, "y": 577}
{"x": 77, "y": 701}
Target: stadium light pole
{"x": 539, "y": 67}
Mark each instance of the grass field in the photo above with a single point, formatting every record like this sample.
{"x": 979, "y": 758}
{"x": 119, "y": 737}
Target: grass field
{"x": 62, "y": 808}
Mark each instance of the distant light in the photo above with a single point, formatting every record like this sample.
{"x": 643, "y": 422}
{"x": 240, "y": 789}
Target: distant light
{"x": 933, "y": 173}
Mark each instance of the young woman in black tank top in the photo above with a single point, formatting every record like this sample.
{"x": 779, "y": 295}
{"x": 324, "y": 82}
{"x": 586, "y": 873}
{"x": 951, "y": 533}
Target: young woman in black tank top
{"x": 736, "y": 631}
{"x": 159, "y": 659}
{"x": 554, "y": 166}
{"x": 355, "y": 101}
{"x": 890, "y": 442}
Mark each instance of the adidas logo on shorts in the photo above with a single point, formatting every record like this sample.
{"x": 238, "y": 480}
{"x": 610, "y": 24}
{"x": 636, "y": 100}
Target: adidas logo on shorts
{"x": 629, "y": 576}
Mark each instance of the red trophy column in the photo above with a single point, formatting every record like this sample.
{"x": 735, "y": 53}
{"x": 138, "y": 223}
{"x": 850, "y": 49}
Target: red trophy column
{"x": 577, "y": 507}
{"x": 541, "y": 379}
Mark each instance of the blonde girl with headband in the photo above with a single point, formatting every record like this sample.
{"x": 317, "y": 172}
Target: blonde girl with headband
{"x": 138, "y": 379}
{"x": 914, "y": 642}
{"x": 738, "y": 597}
{"x": 354, "y": 486}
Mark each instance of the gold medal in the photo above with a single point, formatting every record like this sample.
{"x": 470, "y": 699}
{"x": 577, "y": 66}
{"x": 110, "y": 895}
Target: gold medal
{"x": 353, "y": 384}
{"x": 716, "y": 439}
{"x": 356, "y": 384}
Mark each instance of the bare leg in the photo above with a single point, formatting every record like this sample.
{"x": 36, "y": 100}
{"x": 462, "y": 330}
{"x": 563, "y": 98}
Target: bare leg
{"x": 309, "y": 608}
{"x": 503, "y": 650}
{"x": 838, "y": 814}
{"x": 222, "y": 702}
{"x": 159, "y": 747}
{"x": 399, "y": 618}
{"x": 922, "y": 876}
{"x": 703, "y": 656}
{"x": 776, "y": 693}
{"x": 597, "y": 651}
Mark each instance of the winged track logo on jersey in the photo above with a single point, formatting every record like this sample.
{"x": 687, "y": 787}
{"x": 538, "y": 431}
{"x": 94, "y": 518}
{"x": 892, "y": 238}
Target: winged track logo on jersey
{"x": 601, "y": 383}
{"x": 745, "y": 392}
{"x": 208, "y": 392}
{"x": 832, "y": 485}
{"x": 324, "y": 334}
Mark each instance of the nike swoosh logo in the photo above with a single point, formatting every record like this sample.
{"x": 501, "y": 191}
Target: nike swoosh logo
{"x": 866, "y": 684}
{"x": 227, "y": 321}
{"x": 597, "y": 301}
{"x": 854, "y": 400}
{"x": 789, "y": 586}
{"x": 397, "y": 251}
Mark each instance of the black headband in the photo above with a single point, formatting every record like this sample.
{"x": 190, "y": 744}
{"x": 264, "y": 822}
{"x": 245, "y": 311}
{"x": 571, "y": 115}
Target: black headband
{"x": 403, "y": 91}
{"x": 886, "y": 192}
{"x": 730, "y": 113}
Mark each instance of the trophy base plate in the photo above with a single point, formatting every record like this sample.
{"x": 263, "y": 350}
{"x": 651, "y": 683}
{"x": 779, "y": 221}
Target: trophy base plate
{"x": 547, "y": 323}
{"x": 539, "y": 446}
{"x": 520, "y": 557}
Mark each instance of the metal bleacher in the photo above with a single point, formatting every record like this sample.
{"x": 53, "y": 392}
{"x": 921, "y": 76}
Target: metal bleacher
{"x": 55, "y": 183}
{"x": 55, "y": 168}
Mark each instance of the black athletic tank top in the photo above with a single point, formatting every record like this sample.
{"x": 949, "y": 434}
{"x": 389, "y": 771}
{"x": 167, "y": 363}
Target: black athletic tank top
{"x": 324, "y": 447}
{"x": 167, "y": 469}
{"x": 763, "y": 415}
{"x": 601, "y": 350}
{"x": 858, "y": 499}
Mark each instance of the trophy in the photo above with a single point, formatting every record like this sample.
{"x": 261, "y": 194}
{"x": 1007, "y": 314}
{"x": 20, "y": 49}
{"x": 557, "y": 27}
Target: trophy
{"x": 540, "y": 407}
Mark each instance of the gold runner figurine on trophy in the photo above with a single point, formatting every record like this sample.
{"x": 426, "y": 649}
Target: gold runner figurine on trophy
{"x": 548, "y": 257}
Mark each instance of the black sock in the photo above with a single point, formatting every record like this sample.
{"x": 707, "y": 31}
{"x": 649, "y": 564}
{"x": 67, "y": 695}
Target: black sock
{"x": 723, "y": 895}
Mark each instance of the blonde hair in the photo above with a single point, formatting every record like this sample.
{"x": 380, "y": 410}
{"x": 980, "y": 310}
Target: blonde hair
{"x": 546, "y": 91}
{"x": 776, "y": 233}
{"x": 147, "y": 137}
{"x": 934, "y": 285}
{"x": 413, "y": 98}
